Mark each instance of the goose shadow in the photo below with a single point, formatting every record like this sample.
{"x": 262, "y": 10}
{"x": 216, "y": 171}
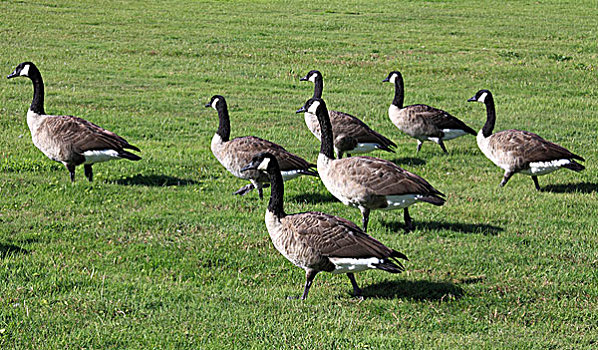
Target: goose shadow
{"x": 412, "y": 161}
{"x": 312, "y": 198}
{"x": 485, "y": 229}
{"x": 580, "y": 187}
{"x": 155, "y": 180}
{"x": 10, "y": 249}
{"x": 413, "y": 290}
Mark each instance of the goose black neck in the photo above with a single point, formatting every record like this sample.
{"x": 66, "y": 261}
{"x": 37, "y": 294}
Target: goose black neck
{"x": 327, "y": 144}
{"x": 490, "y": 116}
{"x": 37, "y": 104}
{"x": 275, "y": 205}
{"x": 399, "y": 92}
{"x": 223, "y": 122}
{"x": 318, "y": 87}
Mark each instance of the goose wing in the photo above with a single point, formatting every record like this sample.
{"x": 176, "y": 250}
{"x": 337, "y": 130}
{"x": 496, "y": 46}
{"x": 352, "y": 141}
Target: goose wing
{"x": 83, "y": 135}
{"x": 529, "y": 147}
{"x": 333, "y": 236}
{"x": 344, "y": 123}
{"x": 440, "y": 119}
{"x": 380, "y": 177}
{"x": 248, "y": 146}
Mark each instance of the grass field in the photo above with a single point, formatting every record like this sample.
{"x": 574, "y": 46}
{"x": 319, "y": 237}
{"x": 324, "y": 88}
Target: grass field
{"x": 160, "y": 254}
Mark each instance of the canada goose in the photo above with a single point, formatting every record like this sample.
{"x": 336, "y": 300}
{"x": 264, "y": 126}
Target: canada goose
{"x": 366, "y": 182}
{"x": 236, "y": 153}
{"x": 67, "y": 139}
{"x": 518, "y": 151}
{"x": 320, "y": 242}
{"x": 423, "y": 122}
{"x": 351, "y": 135}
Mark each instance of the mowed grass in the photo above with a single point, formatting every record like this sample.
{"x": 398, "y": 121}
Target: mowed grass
{"x": 160, "y": 254}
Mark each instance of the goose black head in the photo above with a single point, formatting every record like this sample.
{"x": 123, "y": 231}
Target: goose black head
{"x": 263, "y": 161}
{"x": 392, "y": 77}
{"x": 25, "y": 69}
{"x": 313, "y": 105}
{"x": 216, "y": 102}
{"x": 312, "y": 76}
{"x": 481, "y": 96}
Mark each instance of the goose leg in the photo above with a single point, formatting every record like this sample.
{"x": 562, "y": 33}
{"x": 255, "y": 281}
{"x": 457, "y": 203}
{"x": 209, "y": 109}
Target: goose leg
{"x": 506, "y": 178}
{"x": 419, "y": 145}
{"x": 88, "y": 172}
{"x": 309, "y": 278}
{"x": 441, "y": 143}
{"x": 535, "y": 178}
{"x": 71, "y": 169}
{"x": 408, "y": 223}
{"x": 365, "y": 218}
{"x": 356, "y": 289}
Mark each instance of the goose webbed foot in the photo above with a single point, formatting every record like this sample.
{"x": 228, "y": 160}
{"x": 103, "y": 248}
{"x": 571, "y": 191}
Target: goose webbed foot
{"x": 356, "y": 289}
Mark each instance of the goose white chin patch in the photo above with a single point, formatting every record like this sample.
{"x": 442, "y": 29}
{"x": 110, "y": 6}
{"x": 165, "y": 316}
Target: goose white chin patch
{"x": 482, "y": 97}
{"x": 264, "y": 164}
{"x": 312, "y": 78}
{"x": 215, "y": 102}
{"x": 314, "y": 107}
{"x": 25, "y": 71}
{"x": 393, "y": 78}
{"x": 98, "y": 156}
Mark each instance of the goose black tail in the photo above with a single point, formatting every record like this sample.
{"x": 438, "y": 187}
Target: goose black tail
{"x": 575, "y": 166}
{"x": 433, "y": 199}
{"x": 129, "y": 155}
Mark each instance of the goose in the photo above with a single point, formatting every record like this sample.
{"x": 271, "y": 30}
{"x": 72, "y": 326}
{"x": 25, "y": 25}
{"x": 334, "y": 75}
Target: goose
{"x": 423, "y": 122}
{"x": 517, "y": 151}
{"x": 69, "y": 140}
{"x": 352, "y": 136}
{"x": 367, "y": 183}
{"x": 317, "y": 241}
{"x": 236, "y": 153}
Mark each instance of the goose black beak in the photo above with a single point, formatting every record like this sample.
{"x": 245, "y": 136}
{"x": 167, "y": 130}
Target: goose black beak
{"x": 301, "y": 110}
{"x": 303, "y": 79}
{"x": 473, "y": 99}
{"x": 385, "y": 80}
{"x": 208, "y": 105}
{"x": 12, "y": 75}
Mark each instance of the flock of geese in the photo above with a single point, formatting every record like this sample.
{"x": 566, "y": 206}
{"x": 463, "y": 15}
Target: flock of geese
{"x": 317, "y": 241}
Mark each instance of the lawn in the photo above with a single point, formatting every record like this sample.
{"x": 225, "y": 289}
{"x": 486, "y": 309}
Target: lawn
{"x": 160, "y": 254}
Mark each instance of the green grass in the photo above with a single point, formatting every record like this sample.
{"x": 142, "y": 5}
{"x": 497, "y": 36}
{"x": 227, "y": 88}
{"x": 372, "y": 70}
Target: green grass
{"x": 160, "y": 254}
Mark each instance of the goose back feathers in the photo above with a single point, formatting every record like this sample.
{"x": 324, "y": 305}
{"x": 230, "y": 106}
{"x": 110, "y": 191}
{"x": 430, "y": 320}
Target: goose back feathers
{"x": 423, "y": 122}
{"x": 236, "y": 153}
{"x": 317, "y": 241}
{"x": 68, "y": 139}
{"x": 517, "y": 151}
{"x": 351, "y": 135}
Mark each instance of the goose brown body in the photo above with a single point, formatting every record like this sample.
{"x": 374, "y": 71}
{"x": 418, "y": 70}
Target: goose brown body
{"x": 67, "y": 139}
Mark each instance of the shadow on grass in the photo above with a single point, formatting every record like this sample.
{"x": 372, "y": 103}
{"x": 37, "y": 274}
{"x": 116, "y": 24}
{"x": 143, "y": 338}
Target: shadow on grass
{"x": 581, "y": 187}
{"x": 484, "y": 229}
{"x": 408, "y": 161}
{"x": 10, "y": 249}
{"x": 414, "y": 290}
{"x": 312, "y": 198}
{"x": 155, "y": 180}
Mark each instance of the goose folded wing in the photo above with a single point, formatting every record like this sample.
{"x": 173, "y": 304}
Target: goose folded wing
{"x": 332, "y": 236}
{"x": 442, "y": 119}
{"x": 530, "y": 147}
{"x": 347, "y": 124}
{"x": 248, "y": 146}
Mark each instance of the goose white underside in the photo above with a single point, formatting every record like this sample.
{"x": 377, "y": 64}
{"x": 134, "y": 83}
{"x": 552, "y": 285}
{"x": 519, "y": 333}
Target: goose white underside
{"x": 543, "y": 168}
{"x": 450, "y": 134}
{"x": 363, "y": 148}
{"x": 290, "y": 174}
{"x": 346, "y": 265}
{"x": 98, "y": 156}
{"x": 401, "y": 201}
